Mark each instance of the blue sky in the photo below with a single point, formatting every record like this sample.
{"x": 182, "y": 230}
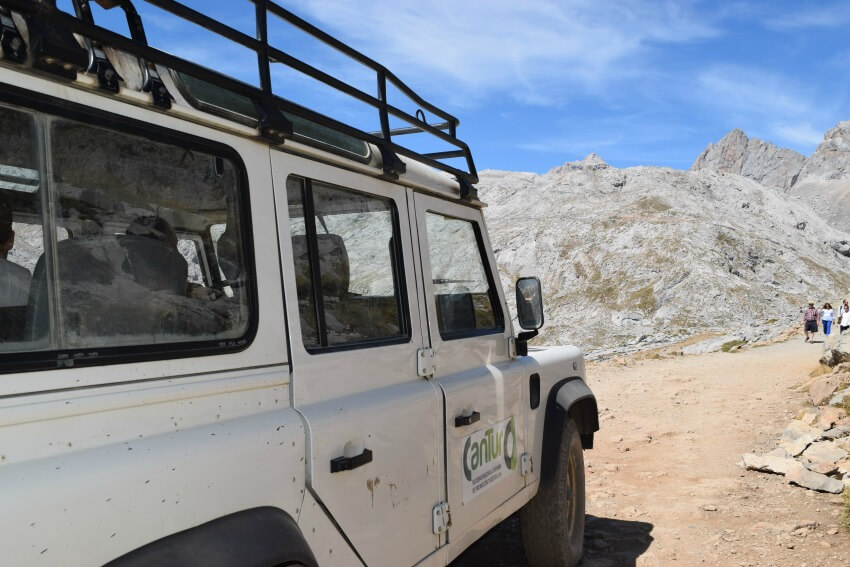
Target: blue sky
{"x": 542, "y": 82}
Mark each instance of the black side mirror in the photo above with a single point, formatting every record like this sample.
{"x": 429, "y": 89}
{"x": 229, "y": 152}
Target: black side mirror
{"x": 529, "y": 306}
{"x": 529, "y": 303}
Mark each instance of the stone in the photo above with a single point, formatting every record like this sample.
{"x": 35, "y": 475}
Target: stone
{"x": 799, "y": 475}
{"x": 829, "y": 416}
{"x": 709, "y": 507}
{"x": 843, "y": 466}
{"x": 796, "y": 437}
{"x": 767, "y": 463}
{"x": 822, "y": 389}
{"x": 824, "y": 451}
{"x": 842, "y": 368}
{"x": 809, "y": 418}
{"x": 820, "y": 467}
{"x": 836, "y": 432}
{"x": 838, "y": 399}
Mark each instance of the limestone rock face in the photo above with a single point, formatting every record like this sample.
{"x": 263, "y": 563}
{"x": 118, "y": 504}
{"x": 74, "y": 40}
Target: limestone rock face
{"x": 831, "y": 160}
{"x": 640, "y": 257}
{"x": 753, "y": 158}
{"x": 824, "y": 180}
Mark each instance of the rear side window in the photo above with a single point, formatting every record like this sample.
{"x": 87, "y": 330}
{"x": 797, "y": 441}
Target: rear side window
{"x": 463, "y": 289}
{"x": 347, "y": 258}
{"x": 114, "y": 232}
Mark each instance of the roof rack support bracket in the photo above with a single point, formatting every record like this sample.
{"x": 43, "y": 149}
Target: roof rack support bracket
{"x": 273, "y": 125}
{"x": 468, "y": 191}
{"x": 54, "y": 48}
{"x": 153, "y": 84}
{"x": 14, "y": 48}
{"x": 391, "y": 163}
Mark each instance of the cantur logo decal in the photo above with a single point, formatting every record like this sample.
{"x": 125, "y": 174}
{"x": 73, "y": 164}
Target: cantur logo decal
{"x": 488, "y": 455}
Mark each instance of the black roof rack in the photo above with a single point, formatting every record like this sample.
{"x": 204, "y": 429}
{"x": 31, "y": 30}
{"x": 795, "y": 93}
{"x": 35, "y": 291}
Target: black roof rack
{"x": 53, "y": 49}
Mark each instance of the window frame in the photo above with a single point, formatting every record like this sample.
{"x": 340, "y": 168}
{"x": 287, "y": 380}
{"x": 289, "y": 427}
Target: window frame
{"x": 38, "y": 105}
{"x": 492, "y": 293}
{"x": 402, "y": 303}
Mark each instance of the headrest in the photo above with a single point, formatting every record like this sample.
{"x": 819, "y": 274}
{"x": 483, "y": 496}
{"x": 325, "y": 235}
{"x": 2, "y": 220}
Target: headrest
{"x": 154, "y": 264}
{"x": 333, "y": 264}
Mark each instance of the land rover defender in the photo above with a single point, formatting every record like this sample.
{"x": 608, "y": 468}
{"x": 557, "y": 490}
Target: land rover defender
{"x": 235, "y": 331}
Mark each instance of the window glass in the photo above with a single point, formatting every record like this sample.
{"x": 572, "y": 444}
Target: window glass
{"x": 462, "y": 290}
{"x": 346, "y": 262}
{"x": 21, "y": 240}
{"x": 126, "y": 267}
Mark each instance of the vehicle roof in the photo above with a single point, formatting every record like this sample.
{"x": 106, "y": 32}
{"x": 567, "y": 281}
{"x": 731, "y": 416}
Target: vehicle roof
{"x": 198, "y": 94}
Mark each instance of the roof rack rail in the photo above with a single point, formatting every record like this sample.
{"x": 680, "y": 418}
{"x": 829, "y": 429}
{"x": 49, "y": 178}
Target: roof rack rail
{"x": 57, "y": 55}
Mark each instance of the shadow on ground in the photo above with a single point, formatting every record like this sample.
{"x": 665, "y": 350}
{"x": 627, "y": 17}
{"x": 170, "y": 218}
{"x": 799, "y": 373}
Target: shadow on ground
{"x": 608, "y": 542}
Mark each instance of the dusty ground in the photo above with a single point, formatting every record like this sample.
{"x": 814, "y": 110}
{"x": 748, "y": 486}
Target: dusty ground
{"x": 663, "y": 483}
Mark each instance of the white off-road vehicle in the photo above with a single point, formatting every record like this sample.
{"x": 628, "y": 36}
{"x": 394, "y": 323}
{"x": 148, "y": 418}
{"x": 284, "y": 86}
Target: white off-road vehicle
{"x": 238, "y": 332}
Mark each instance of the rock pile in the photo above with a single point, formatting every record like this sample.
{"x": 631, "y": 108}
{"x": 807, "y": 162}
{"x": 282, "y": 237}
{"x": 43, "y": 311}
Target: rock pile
{"x": 814, "y": 451}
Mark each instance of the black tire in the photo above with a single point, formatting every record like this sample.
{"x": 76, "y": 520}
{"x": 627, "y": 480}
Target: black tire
{"x": 553, "y": 521}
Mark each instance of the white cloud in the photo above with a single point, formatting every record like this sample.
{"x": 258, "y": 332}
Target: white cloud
{"x": 803, "y": 133}
{"x": 751, "y": 92}
{"x": 817, "y": 16}
{"x": 537, "y": 51}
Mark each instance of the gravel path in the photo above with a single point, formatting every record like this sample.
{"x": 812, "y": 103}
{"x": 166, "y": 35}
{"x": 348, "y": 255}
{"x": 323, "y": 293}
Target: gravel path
{"x": 664, "y": 485}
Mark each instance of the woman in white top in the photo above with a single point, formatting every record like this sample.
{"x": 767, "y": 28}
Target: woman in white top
{"x": 843, "y": 317}
{"x": 826, "y": 317}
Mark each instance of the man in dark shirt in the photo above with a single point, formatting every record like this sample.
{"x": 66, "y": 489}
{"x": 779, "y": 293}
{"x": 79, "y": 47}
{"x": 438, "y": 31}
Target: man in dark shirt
{"x": 810, "y": 320}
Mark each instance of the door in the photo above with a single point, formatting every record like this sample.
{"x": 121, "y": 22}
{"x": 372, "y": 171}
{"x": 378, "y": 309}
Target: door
{"x": 355, "y": 330}
{"x": 485, "y": 392}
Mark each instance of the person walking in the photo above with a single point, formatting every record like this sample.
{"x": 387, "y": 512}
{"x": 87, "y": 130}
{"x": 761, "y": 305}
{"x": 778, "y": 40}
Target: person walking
{"x": 844, "y": 317}
{"x": 810, "y": 320}
{"x": 827, "y": 315}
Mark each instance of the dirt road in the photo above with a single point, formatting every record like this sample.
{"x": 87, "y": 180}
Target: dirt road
{"x": 663, "y": 483}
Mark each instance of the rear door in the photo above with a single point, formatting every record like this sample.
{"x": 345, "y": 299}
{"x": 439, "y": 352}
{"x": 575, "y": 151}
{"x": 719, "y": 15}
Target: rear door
{"x": 485, "y": 392}
{"x": 374, "y": 426}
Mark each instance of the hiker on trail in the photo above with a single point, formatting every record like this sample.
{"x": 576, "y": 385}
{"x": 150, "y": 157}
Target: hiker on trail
{"x": 843, "y": 317}
{"x": 810, "y": 320}
{"x": 826, "y": 316}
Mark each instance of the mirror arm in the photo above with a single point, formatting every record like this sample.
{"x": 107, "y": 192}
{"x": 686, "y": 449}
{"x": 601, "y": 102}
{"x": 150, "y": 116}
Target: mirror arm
{"x": 522, "y": 341}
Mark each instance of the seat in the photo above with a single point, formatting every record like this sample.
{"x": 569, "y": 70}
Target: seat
{"x": 154, "y": 264}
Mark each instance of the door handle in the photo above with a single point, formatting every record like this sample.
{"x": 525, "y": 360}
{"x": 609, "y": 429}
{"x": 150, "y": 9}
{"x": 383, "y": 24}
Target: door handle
{"x": 340, "y": 464}
{"x": 464, "y": 419}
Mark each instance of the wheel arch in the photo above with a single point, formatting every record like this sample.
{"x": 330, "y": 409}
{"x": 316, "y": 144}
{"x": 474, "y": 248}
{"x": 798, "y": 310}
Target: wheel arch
{"x": 570, "y": 397}
{"x": 257, "y": 537}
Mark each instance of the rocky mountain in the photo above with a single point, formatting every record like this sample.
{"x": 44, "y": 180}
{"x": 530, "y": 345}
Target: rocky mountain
{"x": 753, "y": 158}
{"x": 645, "y": 256}
{"x": 824, "y": 180}
{"x": 820, "y": 181}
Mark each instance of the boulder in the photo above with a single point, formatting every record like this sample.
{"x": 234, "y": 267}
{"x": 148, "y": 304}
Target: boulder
{"x": 843, "y": 367}
{"x": 829, "y": 416}
{"x": 836, "y": 352}
{"x": 836, "y": 432}
{"x": 824, "y": 451}
{"x": 801, "y": 476}
{"x": 820, "y": 467}
{"x": 822, "y": 389}
{"x": 767, "y": 463}
{"x": 838, "y": 398}
{"x": 810, "y": 417}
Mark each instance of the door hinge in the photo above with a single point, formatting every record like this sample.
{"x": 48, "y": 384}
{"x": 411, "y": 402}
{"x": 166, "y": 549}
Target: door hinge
{"x": 512, "y": 354}
{"x": 526, "y": 465}
{"x": 426, "y": 362}
{"x": 442, "y": 518}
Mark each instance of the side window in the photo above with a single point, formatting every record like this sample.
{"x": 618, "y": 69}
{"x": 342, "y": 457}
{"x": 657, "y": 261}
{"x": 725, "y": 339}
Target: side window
{"x": 127, "y": 266}
{"x": 347, "y": 259}
{"x": 463, "y": 290}
{"x": 21, "y": 232}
